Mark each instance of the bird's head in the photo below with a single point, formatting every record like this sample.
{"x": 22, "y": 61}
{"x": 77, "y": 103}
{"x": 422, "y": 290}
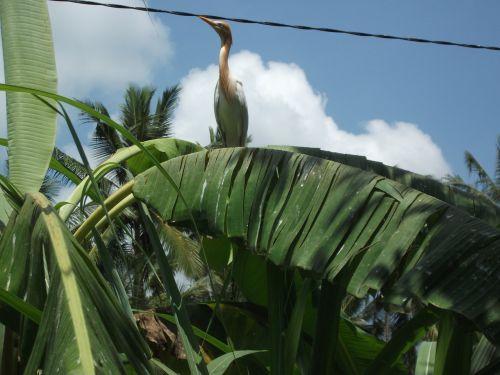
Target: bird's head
{"x": 221, "y": 27}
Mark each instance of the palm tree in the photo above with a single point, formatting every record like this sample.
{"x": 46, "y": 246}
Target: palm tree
{"x": 484, "y": 183}
{"x": 138, "y": 116}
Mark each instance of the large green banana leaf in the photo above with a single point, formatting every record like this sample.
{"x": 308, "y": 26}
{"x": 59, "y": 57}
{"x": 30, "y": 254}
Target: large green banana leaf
{"x": 316, "y": 215}
{"x": 29, "y": 61}
{"x": 83, "y": 329}
{"x": 477, "y": 204}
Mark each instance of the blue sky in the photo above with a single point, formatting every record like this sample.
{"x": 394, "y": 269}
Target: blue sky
{"x": 452, "y": 94}
{"x": 417, "y": 106}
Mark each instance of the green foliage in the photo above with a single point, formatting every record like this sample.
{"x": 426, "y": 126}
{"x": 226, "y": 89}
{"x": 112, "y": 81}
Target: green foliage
{"x": 288, "y": 235}
{"x": 317, "y": 215}
{"x": 82, "y": 325}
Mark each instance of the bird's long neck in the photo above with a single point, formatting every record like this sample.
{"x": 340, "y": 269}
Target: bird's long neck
{"x": 224, "y": 75}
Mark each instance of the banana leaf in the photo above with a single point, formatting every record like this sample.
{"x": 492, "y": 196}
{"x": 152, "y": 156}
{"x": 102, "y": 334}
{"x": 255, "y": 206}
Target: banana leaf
{"x": 29, "y": 61}
{"x": 475, "y": 204}
{"x": 316, "y": 215}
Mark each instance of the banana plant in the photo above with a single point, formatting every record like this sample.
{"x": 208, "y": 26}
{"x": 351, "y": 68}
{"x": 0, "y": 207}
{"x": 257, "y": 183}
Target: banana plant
{"x": 361, "y": 231}
{"x": 320, "y": 217}
{"x": 302, "y": 227}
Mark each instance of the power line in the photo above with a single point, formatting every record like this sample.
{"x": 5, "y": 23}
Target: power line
{"x": 278, "y": 24}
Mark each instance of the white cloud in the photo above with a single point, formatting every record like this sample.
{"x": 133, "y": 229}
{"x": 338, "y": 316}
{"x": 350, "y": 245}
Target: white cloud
{"x": 104, "y": 49}
{"x": 284, "y": 109}
{"x": 101, "y": 50}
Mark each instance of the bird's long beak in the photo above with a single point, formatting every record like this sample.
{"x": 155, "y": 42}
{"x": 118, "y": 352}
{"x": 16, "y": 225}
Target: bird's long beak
{"x": 207, "y": 20}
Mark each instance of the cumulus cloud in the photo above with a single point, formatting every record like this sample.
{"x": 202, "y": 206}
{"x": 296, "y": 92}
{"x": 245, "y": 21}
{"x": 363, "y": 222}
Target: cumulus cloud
{"x": 102, "y": 49}
{"x": 284, "y": 109}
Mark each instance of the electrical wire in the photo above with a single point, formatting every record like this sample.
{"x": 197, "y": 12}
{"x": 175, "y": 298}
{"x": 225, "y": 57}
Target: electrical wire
{"x": 278, "y": 24}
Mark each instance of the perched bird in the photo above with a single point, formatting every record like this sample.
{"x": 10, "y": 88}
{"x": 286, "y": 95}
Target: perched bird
{"x": 230, "y": 106}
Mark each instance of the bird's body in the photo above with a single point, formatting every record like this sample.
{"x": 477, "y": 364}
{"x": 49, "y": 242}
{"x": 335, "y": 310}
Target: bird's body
{"x": 231, "y": 115}
{"x": 230, "y": 106}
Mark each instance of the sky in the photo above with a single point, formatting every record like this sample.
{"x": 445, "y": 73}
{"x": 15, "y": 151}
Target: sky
{"x": 415, "y": 106}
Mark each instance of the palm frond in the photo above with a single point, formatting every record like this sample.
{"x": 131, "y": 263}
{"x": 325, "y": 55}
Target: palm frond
{"x": 161, "y": 121}
{"x": 105, "y": 140}
{"x": 50, "y": 188}
{"x": 484, "y": 182}
{"x": 184, "y": 251}
{"x": 135, "y": 112}
{"x": 70, "y": 163}
{"x": 458, "y": 183}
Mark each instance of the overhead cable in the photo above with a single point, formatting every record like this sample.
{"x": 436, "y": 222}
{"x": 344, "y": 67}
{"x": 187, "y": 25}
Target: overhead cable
{"x": 279, "y": 24}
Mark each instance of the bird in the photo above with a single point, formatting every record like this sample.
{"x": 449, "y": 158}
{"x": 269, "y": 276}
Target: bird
{"x": 230, "y": 106}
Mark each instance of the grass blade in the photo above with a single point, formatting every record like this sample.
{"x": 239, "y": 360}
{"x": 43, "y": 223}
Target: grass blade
{"x": 214, "y": 341}
{"x": 220, "y": 364}
{"x": 163, "y": 367}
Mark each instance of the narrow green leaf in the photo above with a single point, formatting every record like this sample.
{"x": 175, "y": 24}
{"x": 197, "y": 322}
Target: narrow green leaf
{"x": 454, "y": 345}
{"x": 492, "y": 369}
{"x": 356, "y": 350}
{"x": 163, "y": 367}
{"x": 294, "y": 329}
{"x": 195, "y": 361}
{"x": 214, "y": 341}
{"x": 425, "y": 358}
{"x": 71, "y": 291}
{"x": 276, "y": 288}
{"x": 2, "y": 339}
{"x": 220, "y": 364}
{"x": 28, "y": 54}
{"x": 483, "y": 354}
{"x": 5, "y": 210}
{"x": 327, "y": 327}
{"x": 31, "y": 312}
{"x": 111, "y": 273}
